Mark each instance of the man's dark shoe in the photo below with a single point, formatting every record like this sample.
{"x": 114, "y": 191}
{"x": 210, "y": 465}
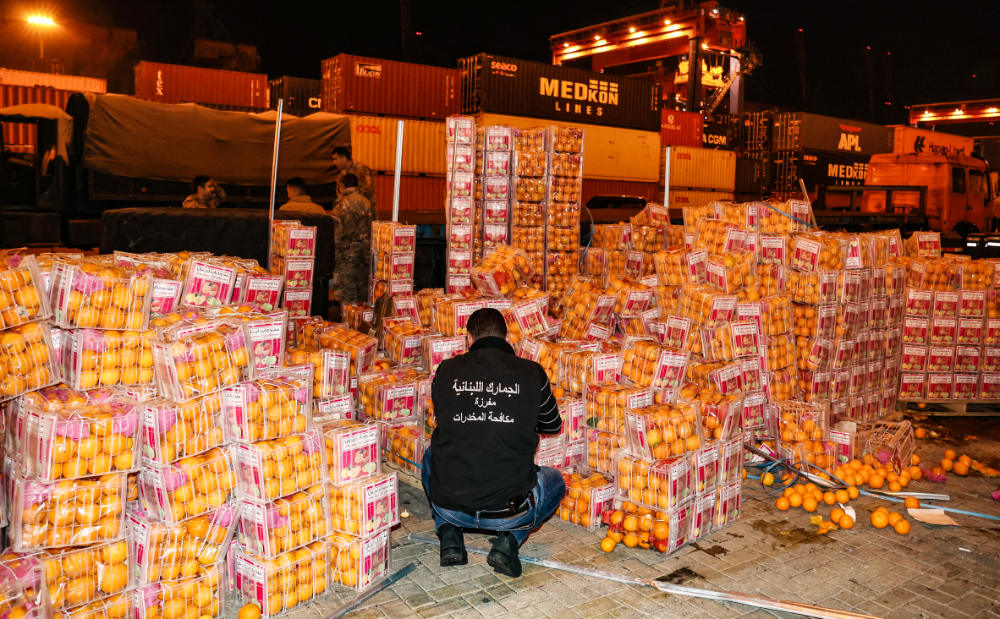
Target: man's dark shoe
{"x": 452, "y": 545}
{"x": 503, "y": 557}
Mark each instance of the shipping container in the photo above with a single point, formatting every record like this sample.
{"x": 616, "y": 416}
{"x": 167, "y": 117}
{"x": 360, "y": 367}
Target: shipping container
{"x": 802, "y": 131}
{"x": 679, "y": 128}
{"x": 720, "y": 132}
{"x": 172, "y": 83}
{"x": 817, "y": 168}
{"x": 301, "y": 95}
{"x": 524, "y": 88}
{"x": 755, "y": 132}
{"x": 753, "y": 175}
{"x": 373, "y": 143}
{"x": 77, "y": 83}
{"x": 22, "y": 137}
{"x": 416, "y": 193}
{"x": 608, "y": 152}
{"x": 908, "y": 140}
{"x": 386, "y": 87}
{"x": 680, "y": 198}
{"x": 701, "y": 168}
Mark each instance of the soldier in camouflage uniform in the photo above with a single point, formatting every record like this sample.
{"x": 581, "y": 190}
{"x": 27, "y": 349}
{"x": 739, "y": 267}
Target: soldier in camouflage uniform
{"x": 345, "y": 165}
{"x": 352, "y": 243}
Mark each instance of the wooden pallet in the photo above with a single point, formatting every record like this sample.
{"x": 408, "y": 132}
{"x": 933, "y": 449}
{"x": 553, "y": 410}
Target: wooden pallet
{"x": 970, "y": 408}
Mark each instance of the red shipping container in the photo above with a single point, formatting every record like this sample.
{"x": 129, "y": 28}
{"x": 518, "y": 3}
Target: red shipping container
{"x": 173, "y": 83}
{"x": 388, "y": 88}
{"x": 416, "y": 193}
{"x": 681, "y": 128}
{"x": 22, "y": 137}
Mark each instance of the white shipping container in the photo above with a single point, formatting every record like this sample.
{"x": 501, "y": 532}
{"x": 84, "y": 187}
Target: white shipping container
{"x": 373, "y": 143}
{"x": 11, "y": 77}
{"x": 912, "y": 140}
{"x": 679, "y": 198}
{"x": 700, "y": 168}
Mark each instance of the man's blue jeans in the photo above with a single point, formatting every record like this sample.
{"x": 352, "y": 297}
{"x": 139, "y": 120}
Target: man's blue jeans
{"x": 548, "y": 492}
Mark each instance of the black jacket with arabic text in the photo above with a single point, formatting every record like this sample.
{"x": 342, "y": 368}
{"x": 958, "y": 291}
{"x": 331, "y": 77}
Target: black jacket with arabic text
{"x": 490, "y": 406}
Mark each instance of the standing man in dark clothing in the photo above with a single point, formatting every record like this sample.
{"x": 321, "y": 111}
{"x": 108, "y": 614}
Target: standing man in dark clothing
{"x": 479, "y": 472}
{"x": 346, "y": 165}
{"x": 352, "y": 243}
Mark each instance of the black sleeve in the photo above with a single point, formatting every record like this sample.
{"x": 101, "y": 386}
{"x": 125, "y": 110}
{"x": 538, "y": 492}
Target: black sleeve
{"x": 549, "y": 421}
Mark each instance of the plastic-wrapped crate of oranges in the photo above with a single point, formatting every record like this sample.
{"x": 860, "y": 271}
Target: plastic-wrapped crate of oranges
{"x": 196, "y": 360}
{"x": 26, "y": 360}
{"x": 202, "y": 594}
{"x": 187, "y": 488}
{"x": 89, "y": 438}
{"x": 266, "y": 408}
{"x": 367, "y": 506}
{"x": 269, "y": 470}
{"x": 661, "y": 484}
{"x": 358, "y": 562}
{"x": 663, "y": 430}
{"x": 171, "y": 431}
{"x": 99, "y": 294}
{"x": 22, "y": 298}
{"x": 66, "y": 513}
{"x": 271, "y": 528}
{"x": 586, "y": 499}
{"x": 83, "y": 575}
{"x": 502, "y": 272}
{"x": 281, "y": 584}
{"x": 173, "y": 551}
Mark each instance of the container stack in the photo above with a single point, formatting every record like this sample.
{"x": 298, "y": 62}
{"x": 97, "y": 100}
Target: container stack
{"x": 698, "y": 176}
{"x": 753, "y": 165}
{"x": 281, "y": 487}
{"x": 393, "y": 249}
{"x": 494, "y": 165}
{"x": 181, "y": 527}
{"x": 460, "y": 202}
{"x": 293, "y": 256}
{"x": 951, "y": 328}
{"x": 564, "y": 187}
{"x": 528, "y": 184}
{"x": 822, "y": 151}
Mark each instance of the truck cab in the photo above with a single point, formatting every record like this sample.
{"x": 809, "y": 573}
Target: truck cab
{"x": 959, "y": 198}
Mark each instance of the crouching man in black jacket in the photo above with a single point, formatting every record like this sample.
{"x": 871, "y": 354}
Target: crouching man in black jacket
{"x": 479, "y": 472}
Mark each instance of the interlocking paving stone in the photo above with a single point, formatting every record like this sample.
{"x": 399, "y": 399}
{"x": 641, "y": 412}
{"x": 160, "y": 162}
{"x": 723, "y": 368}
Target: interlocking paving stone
{"x": 769, "y": 554}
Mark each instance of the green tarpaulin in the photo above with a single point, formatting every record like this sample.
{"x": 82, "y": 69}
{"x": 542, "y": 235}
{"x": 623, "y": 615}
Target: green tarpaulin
{"x": 176, "y": 142}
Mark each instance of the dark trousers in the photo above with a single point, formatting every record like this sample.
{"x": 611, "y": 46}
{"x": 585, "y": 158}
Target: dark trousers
{"x": 548, "y": 492}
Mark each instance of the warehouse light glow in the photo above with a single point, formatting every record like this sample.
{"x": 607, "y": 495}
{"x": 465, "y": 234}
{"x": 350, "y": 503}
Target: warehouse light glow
{"x": 41, "y": 20}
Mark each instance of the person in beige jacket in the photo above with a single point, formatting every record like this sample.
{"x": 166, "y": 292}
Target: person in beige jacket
{"x": 298, "y": 200}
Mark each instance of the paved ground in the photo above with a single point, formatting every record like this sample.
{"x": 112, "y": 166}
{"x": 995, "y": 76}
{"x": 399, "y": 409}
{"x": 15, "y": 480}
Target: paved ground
{"x": 933, "y": 572}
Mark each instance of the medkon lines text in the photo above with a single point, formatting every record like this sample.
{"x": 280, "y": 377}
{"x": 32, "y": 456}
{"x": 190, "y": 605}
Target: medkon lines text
{"x": 594, "y": 92}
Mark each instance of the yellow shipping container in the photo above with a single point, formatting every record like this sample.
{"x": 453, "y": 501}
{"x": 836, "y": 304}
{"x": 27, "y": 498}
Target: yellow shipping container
{"x": 608, "y": 152}
{"x": 373, "y": 142}
{"x": 679, "y": 198}
{"x": 701, "y": 168}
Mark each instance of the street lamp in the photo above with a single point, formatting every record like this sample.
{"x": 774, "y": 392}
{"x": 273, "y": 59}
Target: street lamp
{"x": 41, "y": 22}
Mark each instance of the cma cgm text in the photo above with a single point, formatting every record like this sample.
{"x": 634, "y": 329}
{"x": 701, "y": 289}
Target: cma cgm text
{"x": 598, "y": 92}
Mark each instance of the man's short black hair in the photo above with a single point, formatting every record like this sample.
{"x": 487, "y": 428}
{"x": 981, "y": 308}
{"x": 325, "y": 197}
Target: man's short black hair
{"x": 199, "y": 182}
{"x": 486, "y": 322}
{"x": 343, "y": 151}
{"x": 298, "y": 182}
{"x": 349, "y": 180}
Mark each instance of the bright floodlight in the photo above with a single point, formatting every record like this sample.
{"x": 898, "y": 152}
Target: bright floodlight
{"x": 41, "y": 20}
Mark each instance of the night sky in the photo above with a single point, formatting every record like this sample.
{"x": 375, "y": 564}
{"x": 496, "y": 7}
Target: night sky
{"x": 921, "y": 51}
